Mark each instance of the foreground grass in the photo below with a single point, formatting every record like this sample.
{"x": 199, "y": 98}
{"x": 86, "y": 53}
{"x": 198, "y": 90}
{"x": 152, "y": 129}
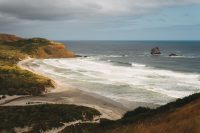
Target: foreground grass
{"x": 180, "y": 116}
{"x": 42, "y": 117}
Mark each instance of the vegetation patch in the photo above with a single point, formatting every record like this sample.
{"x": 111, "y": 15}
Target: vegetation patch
{"x": 143, "y": 119}
{"x": 43, "y": 117}
{"x": 15, "y": 81}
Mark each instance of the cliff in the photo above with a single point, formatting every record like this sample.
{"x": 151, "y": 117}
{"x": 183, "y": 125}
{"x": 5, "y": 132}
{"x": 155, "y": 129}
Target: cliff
{"x": 15, "y": 81}
{"x": 43, "y": 48}
{"x": 37, "y": 47}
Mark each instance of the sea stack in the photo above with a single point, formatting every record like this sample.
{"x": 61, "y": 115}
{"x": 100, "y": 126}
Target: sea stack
{"x": 155, "y": 51}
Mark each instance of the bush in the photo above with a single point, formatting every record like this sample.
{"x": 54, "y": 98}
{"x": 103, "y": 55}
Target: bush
{"x": 43, "y": 117}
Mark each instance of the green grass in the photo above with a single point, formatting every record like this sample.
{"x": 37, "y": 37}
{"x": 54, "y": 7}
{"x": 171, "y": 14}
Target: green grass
{"x": 42, "y": 117}
{"x": 10, "y": 55}
{"x": 32, "y": 47}
{"x": 15, "y": 81}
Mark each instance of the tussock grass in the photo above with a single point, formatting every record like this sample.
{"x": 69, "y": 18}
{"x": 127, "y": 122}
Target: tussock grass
{"x": 43, "y": 117}
{"x": 15, "y": 81}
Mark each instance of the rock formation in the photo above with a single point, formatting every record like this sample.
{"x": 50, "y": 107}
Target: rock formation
{"x": 155, "y": 51}
{"x": 173, "y": 54}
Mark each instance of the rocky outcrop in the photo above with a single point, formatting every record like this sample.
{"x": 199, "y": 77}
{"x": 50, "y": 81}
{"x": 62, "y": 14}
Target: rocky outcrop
{"x": 83, "y": 56}
{"x": 155, "y": 51}
{"x": 173, "y": 54}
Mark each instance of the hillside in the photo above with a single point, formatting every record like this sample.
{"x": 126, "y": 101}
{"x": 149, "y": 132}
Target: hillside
{"x": 14, "y": 80}
{"x": 181, "y": 116}
{"x": 42, "y": 48}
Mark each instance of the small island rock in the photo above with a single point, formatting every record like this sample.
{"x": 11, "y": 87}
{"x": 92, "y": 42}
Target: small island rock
{"x": 81, "y": 56}
{"x": 155, "y": 51}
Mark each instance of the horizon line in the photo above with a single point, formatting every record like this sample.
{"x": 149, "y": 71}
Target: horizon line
{"x": 130, "y": 40}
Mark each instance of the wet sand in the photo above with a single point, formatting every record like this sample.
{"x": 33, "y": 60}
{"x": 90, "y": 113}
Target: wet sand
{"x": 63, "y": 94}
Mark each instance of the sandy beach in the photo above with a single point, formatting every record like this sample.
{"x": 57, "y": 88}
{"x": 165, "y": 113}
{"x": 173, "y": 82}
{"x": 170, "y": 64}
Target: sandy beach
{"x": 67, "y": 95}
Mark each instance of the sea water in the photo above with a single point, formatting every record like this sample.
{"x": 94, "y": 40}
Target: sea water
{"x": 126, "y": 72}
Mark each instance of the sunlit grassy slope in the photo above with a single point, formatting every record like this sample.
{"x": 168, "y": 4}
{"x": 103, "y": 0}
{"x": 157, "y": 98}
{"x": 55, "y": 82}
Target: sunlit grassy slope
{"x": 14, "y": 80}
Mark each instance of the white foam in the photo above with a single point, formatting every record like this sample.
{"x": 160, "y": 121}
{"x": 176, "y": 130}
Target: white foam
{"x": 137, "y": 65}
{"x": 113, "y": 56}
{"x": 183, "y": 56}
{"x": 138, "y": 78}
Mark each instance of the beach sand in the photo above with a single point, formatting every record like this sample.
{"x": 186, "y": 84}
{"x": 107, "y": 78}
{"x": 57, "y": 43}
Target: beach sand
{"x": 63, "y": 94}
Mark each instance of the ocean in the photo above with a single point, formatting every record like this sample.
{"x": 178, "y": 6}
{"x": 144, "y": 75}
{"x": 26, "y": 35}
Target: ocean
{"x": 126, "y": 72}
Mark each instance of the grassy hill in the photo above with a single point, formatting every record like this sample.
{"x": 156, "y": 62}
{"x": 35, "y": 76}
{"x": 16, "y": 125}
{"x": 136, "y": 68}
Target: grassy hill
{"x": 43, "y": 48}
{"x": 181, "y": 116}
{"x": 14, "y": 80}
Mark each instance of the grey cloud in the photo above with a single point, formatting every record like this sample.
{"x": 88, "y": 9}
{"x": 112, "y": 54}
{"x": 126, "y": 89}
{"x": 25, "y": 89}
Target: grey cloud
{"x": 6, "y": 21}
{"x": 45, "y": 9}
{"x": 73, "y": 9}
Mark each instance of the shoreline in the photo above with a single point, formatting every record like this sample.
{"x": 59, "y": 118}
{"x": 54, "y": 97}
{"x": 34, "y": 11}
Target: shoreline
{"x": 63, "y": 94}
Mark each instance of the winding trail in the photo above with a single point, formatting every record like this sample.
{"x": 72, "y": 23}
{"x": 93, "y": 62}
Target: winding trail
{"x": 14, "y": 99}
{"x": 57, "y": 130}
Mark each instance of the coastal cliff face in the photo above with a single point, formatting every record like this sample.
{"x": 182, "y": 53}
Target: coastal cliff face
{"x": 37, "y": 47}
{"x": 43, "y": 48}
{"x": 53, "y": 51}
{"x": 14, "y": 80}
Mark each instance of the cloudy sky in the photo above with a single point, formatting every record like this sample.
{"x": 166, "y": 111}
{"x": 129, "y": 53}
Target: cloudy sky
{"x": 102, "y": 19}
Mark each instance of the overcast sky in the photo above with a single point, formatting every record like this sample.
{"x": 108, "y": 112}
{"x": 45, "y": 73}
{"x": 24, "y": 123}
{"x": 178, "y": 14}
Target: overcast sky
{"x": 102, "y": 19}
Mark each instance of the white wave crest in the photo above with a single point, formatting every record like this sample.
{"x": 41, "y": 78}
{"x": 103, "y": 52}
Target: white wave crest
{"x": 142, "y": 83}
